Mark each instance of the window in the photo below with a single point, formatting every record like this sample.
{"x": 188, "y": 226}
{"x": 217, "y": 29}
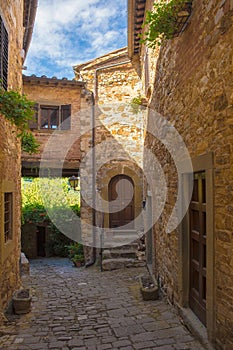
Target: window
{"x": 50, "y": 117}
{"x": 3, "y": 54}
{"x": 8, "y": 215}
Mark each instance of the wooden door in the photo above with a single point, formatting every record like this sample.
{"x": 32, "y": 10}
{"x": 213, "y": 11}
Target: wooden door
{"x": 121, "y": 191}
{"x": 197, "y": 292}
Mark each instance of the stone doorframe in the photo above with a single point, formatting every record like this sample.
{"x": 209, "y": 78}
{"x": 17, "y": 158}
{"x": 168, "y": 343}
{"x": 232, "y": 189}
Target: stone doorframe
{"x": 200, "y": 163}
{"x": 121, "y": 168}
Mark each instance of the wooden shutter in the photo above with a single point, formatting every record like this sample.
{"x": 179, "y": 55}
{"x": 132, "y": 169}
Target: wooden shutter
{"x": 198, "y": 231}
{"x": 3, "y": 55}
{"x": 65, "y": 117}
{"x": 8, "y": 215}
{"x": 33, "y": 124}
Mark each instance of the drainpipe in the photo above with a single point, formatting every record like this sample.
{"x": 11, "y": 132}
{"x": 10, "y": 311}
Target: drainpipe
{"x": 92, "y": 262}
{"x": 102, "y": 68}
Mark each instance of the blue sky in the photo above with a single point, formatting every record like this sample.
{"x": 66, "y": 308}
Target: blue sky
{"x": 69, "y": 32}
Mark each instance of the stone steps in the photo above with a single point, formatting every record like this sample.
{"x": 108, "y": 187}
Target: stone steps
{"x": 120, "y": 250}
{"x": 120, "y": 263}
{"x": 120, "y": 238}
{"x": 117, "y": 253}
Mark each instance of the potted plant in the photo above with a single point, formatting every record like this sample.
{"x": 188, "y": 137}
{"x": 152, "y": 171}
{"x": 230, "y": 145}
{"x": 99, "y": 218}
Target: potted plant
{"x": 78, "y": 260}
{"x": 167, "y": 20}
{"x": 76, "y": 254}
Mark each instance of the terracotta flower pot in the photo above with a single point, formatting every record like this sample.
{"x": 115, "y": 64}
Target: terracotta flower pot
{"x": 78, "y": 263}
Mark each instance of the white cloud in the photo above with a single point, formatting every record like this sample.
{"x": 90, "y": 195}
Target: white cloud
{"x": 73, "y": 31}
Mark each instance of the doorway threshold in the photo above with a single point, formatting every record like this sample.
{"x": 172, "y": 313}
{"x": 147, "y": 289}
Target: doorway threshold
{"x": 195, "y": 326}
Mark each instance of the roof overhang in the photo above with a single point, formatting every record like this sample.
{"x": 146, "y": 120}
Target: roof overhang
{"x": 29, "y": 15}
{"x": 43, "y": 80}
{"x": 136, "y": 13}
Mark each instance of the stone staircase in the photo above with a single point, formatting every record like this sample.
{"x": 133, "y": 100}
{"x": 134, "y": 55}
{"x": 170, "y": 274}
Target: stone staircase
{"x": 121, "y": 250}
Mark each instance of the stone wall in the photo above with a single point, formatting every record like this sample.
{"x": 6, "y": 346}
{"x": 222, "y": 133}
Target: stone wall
{"x": 10, "y": 162}
{"x": 10, "y": 168}
{"x": 193, "y": 90}
{"x": 118, "y": 136}
{"x": 109, "y": 79}
{"x": 12, "y": 15}
{"x": 53, "y": 91}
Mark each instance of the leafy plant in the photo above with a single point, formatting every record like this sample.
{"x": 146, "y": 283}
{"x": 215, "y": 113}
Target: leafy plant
{"x": 58, "y": 194}
{"x": 76, "y": 252}
{"x": 16, "y": 108}
{"x": 57, "y": 244}
{"x": 136, "y": 102}
{"x": 29, "y": 143}
{"x": 19, "y": 110}
{"x": 34, "y": 209}
{"x": 162, "y": 21}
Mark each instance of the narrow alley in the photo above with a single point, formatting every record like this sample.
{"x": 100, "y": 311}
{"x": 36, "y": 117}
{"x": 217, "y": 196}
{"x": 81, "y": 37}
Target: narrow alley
{"x": 80, "y": 308}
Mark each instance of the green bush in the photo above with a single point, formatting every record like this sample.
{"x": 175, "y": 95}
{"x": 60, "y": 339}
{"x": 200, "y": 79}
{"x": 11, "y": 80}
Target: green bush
{"x": 34, "y": 208}
{"x": 76, "y": 252}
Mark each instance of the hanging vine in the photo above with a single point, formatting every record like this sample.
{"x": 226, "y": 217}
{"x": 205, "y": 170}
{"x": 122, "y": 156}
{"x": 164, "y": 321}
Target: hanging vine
{"x": 163, "y": 21}
{"x": 19, "y": 110}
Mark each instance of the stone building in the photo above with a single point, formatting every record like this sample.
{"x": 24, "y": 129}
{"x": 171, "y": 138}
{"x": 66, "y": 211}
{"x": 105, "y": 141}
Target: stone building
{"x": 189, "y": 82}
{"x": 57, "y": 120}
{"x": 56, "y": 127}
{"x": 16, "y": 25}
{"x": 111, "y": 157}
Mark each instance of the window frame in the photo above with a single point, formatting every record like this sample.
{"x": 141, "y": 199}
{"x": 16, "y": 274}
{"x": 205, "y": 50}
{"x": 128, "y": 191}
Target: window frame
{"x": 7, "y": 248}
{"x": 35, "y": 124}
{"x": 49, "y": 108}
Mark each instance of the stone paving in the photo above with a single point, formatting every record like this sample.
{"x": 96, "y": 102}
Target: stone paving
{"x": 83, "y": 308}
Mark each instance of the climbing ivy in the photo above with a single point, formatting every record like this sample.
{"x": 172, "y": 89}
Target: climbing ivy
{"x": 19, "y": 110}
{"x": 29, "y": 143}
{"x": 161, "y": 21}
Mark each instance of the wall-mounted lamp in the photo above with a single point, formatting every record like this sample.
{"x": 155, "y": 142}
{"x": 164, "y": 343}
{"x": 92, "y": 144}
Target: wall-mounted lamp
{"x": 144, "y": 204}
{"x": 74, "y": 181}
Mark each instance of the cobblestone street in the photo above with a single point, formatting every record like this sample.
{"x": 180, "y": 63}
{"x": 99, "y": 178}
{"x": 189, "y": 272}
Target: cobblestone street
{"x": 79, "y": 308}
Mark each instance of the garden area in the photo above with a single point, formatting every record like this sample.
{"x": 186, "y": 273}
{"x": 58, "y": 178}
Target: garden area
{"x": 40, "y": 236}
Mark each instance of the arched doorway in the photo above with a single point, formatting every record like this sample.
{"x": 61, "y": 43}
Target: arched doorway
{"x": 121, "y": 195}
